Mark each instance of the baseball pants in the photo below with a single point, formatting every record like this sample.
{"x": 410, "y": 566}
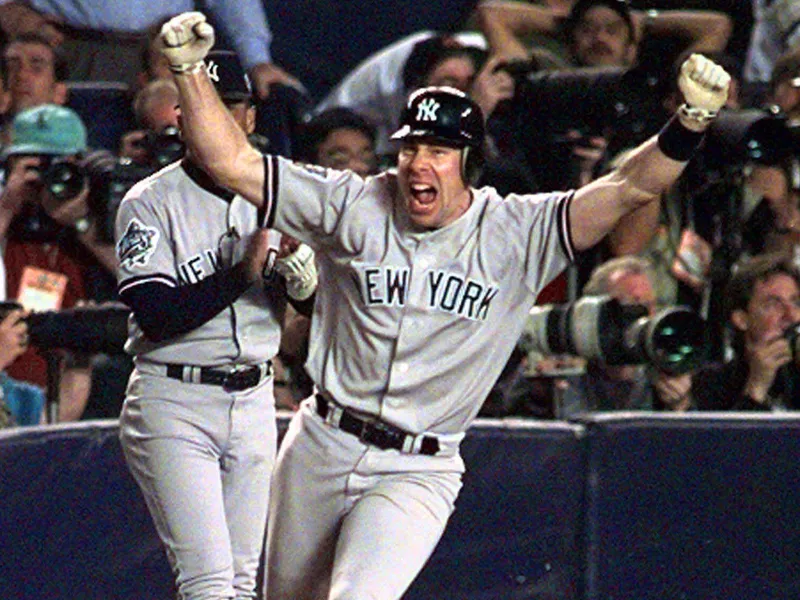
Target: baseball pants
{"x": 203, "y": 459}
{"x": 349, "y": 520}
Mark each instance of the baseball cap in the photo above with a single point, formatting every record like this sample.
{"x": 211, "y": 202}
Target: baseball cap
{"x": 228, "y": 76}
{"x": 47, "y": 129}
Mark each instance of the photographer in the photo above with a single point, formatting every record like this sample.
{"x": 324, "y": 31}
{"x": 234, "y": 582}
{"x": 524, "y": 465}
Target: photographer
{"x": 156, "y": 142}
{"x": 20, "y": 403}
{"x": 605, "y": 387}
{"x": 762, "y": 304}
{"x": 51, "y": 244}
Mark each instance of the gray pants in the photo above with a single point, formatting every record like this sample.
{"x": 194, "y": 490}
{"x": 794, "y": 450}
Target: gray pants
{"x": 203, "y": 459}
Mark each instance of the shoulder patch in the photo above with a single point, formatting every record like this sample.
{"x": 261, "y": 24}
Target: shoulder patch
{"x": 137, "y": 245}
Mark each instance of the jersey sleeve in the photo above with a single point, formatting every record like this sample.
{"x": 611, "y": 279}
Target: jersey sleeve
{"x": 142, "y": 241}
{"x": 541, "y": 235}
{"x": 306, "y": 201}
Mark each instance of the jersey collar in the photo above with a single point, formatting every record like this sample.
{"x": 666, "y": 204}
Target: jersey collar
{"x": 204, "y": 180}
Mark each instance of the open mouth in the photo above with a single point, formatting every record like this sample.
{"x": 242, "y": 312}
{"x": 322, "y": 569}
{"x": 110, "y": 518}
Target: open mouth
{"x": 422, "y": 197}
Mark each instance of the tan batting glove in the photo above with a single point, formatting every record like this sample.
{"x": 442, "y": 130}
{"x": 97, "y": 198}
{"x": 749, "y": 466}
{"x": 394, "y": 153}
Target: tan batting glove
{"x": 705, "y": 87}
{"x": 300, "y": 270}
{"x": 187, "y": 39}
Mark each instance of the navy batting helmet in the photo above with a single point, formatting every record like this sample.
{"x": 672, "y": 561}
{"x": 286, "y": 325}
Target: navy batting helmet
{"x": 447, "y": 116}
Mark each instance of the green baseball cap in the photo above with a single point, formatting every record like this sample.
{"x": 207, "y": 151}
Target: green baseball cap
{"x": 47, "y": 129}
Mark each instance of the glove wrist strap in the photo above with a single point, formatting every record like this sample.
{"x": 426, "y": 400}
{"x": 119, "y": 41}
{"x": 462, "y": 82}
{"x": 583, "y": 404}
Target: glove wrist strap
{"x": 187, "y": 68}
{"x": 694, "y": 118}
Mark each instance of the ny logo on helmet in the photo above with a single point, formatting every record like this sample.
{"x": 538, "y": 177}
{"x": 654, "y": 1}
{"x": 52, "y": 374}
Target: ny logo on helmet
{"x": 213, "y": 71}
{"x": 426, "y": 110}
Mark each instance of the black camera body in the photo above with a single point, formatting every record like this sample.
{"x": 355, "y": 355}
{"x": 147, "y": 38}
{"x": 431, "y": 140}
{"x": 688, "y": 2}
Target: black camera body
{"x": 163, "y": 147}
{"x": 601, "y": 328}
{"x": 101, "y": 328}
{"x": 64, "y": 179}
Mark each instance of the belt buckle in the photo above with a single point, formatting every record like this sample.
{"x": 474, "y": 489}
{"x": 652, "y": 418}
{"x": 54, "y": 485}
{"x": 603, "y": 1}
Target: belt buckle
{"x": 380, "y": 435}
{"x": 238, "y": 378}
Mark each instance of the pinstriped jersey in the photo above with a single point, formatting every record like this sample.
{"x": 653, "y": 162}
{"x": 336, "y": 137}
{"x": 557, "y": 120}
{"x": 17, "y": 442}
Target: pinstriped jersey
{"x": 415, "y": 327}
{"x": 172, "y": 228}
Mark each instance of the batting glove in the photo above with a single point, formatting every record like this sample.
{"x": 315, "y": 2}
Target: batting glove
{"x": 187, "y": 39}
{"x": 705, "y": 87}
{"x": 300, "y": 271}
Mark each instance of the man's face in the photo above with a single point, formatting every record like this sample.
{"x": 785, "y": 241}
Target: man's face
{"x": 632, "y": 288}
{"x": 32, "y": 76}
{"x": 433, "y": 192}
{"x": 457, "y": 72}
{"x": 347, "y": 149}
{"x": 602, "y": 39}
{"x": 774, "y": 306}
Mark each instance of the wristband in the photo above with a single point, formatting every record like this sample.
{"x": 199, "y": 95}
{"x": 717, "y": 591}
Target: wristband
{"x": 677, "y": 142}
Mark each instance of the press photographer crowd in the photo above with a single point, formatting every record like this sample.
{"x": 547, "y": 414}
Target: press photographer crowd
{"x": 690, "y": 303}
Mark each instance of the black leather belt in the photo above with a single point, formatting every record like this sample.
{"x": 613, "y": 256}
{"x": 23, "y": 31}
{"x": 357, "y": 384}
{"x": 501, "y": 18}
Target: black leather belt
{"x": 377, "y": 433}
{"x": 237, "y": 379}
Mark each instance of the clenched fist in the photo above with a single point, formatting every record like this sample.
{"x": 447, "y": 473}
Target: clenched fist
{"x": 705, "y": 86}
{"x": 187, "y": 39}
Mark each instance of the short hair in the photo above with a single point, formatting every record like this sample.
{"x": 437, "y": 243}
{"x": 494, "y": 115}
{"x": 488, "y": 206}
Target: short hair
{"x": 158, "y": 88}
{"x": 60, "y": 66}
{"x": 787, "y": 67}
{"x": 319, "y": 127}
{"x": 746, "y": 274}
{"x": 581, "y": 7}
{"x": 598, "y": 283}
{"x": 428, "y": 54}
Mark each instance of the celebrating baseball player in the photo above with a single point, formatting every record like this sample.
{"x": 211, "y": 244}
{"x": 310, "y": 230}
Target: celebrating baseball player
{"x": 425, "y": 284}
{"x": 198, "y": 424}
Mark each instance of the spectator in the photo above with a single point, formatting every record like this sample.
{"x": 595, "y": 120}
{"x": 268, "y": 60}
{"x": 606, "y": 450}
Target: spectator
{"x": 49, "y": 240}
{"x": 20, "y": 403}
{"x": 155, "y": 108}
{"x": 103, "y": 41}
{"x": 35, "y": 73}
{"x": 762, "y": 301}
{"x": 604, "y": 387}
{"x": 339, "y": 138}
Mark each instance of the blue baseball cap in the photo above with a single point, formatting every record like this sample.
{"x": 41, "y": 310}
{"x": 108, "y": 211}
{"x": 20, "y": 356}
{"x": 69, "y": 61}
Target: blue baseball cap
{"x": 47, "y": 129}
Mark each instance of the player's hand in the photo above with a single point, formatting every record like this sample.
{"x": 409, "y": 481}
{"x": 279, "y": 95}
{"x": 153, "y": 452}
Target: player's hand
{"x": 705, "y": 86}
{"x": 255, "y": 256}
{"x": 186, "y": 40}
{"x": 300, "y": 270}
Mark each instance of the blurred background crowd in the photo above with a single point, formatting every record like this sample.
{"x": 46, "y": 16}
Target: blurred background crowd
{"x": 698, "y": 311}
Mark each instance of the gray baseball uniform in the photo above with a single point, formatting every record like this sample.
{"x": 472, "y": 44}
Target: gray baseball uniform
{"x": 200, "y": 444}
{"x": 410, "y": 330}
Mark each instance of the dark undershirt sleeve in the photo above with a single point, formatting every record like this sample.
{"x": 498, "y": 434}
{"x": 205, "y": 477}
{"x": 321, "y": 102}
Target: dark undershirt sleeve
{"x": 164, "y": 311}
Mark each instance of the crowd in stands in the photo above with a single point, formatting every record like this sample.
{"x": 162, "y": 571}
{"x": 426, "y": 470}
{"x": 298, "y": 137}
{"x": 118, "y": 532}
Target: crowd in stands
{"x": 567, "y": 87}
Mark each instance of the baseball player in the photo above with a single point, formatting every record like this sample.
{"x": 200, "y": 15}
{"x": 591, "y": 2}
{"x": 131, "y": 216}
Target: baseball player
{"x": 425, "y": 284}
{"x": 198, "y": 424}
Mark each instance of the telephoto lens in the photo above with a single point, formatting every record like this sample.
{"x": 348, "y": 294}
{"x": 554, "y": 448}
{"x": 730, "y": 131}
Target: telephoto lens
{"x": 600, "y": 328}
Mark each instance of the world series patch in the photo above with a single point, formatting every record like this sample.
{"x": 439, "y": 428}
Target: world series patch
{"x": 137, "y": 245}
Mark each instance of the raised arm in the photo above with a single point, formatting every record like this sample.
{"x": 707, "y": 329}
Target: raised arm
{"x": 212, "y": 136}
{"x": 656, "y": 164}
{"x": 703, "y": 30}
{"x": 505, "y": 22}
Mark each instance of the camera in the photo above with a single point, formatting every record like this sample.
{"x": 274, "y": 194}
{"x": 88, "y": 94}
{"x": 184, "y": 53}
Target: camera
{"x": 62, "y": 178}
{"x": 601, "y": 328}
{"x": 164, "y": 147}
{"x": 102, "y": 328}
{"x": 758, "y": 135}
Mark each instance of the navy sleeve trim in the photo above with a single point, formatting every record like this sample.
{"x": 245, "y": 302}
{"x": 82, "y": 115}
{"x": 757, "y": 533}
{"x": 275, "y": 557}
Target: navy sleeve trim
{"x": 267, "y": 211}
{"x": 164, "y": 311}
{"x": 564, "y": 228}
